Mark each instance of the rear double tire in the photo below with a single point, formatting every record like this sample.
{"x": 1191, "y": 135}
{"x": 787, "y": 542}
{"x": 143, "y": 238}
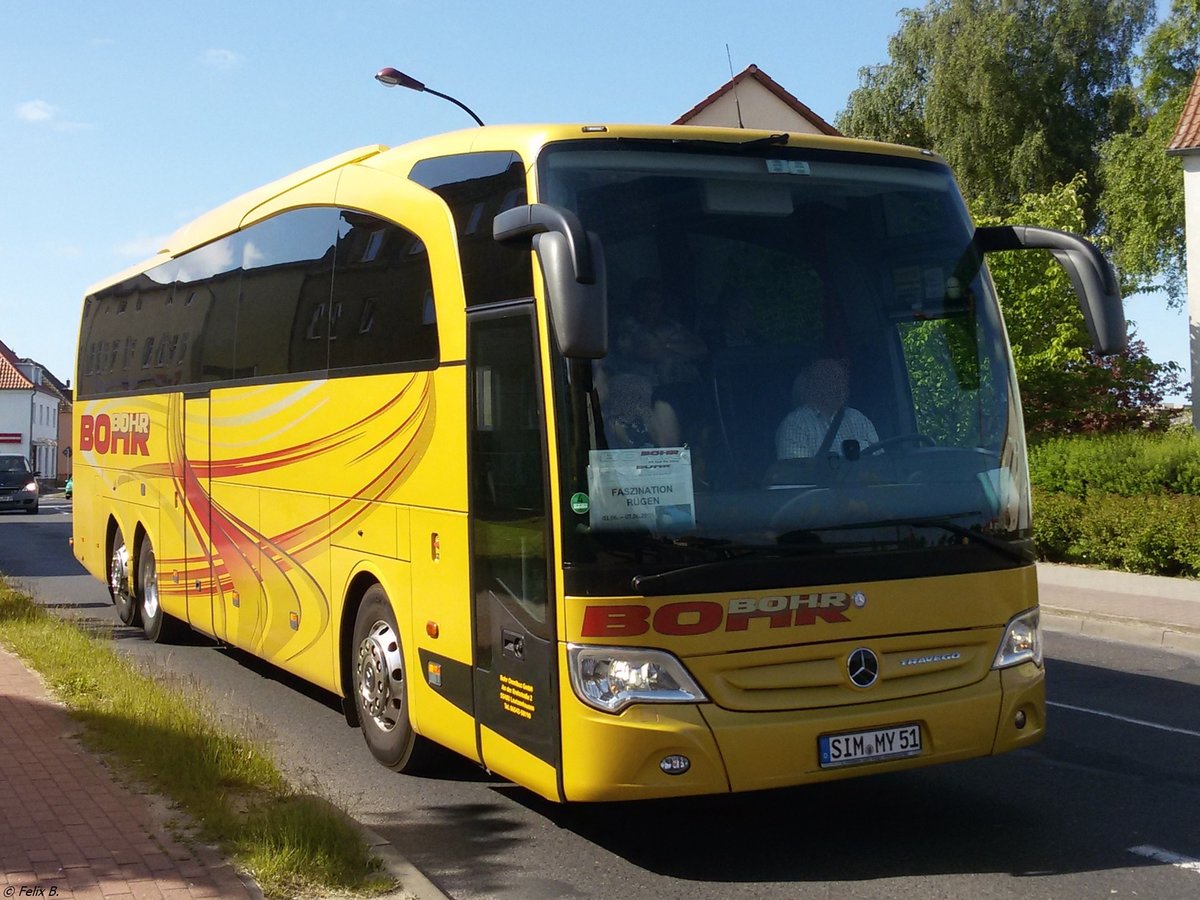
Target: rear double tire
{"x": 120, "y": 579}
{"x": 380, "y": 688}
{"x": 157, "y": 624}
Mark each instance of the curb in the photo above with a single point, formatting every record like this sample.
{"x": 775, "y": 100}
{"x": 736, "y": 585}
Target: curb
{"x": 414, "y": 884}
{"x": 1159, "y": 635}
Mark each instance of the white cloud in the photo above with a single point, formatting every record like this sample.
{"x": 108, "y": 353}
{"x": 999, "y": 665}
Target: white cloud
{"x": 222, "y": 60}
{"x": 41, "y": 113}
{"x": 36, "y": 111}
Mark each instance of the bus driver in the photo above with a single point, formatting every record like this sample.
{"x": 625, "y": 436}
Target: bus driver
{"x": 821, "y": 420}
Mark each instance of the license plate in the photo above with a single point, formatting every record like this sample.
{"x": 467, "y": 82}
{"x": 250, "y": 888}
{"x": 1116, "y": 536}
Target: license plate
{"x": 869, "y": 746}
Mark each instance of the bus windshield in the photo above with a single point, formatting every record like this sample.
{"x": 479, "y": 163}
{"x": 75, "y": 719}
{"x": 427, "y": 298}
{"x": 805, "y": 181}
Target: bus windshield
{"x": 806, "y": 365}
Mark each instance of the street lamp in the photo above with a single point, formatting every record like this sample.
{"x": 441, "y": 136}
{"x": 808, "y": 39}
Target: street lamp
{"x": 393, "y": 78}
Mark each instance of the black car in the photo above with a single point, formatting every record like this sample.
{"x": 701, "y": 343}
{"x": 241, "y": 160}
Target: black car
{"x": 18, "y": 484}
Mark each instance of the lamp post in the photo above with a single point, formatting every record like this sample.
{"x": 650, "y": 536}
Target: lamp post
{"x": 393, "y": 78}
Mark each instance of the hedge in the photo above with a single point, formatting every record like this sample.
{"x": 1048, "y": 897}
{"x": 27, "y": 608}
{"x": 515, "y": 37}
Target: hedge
{"x": 1131, "y": 465}
{"x": 1157, "y": 534}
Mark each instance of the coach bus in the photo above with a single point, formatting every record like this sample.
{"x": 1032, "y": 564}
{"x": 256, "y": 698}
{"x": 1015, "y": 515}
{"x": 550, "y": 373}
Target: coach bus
{"x": 506, "y": 438}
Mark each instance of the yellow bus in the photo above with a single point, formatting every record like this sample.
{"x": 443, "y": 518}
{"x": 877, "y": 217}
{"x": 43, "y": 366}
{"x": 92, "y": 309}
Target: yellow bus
{"x": 625, "y": 461}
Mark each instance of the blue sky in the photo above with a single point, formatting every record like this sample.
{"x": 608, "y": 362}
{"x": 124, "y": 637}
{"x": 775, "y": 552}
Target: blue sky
{"x": 121, "y": 121}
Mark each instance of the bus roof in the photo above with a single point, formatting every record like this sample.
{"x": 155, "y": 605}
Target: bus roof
{"x": 525, "y": 139}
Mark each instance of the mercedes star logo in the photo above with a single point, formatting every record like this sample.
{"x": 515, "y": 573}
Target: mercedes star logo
{"x": 863, "y": 667}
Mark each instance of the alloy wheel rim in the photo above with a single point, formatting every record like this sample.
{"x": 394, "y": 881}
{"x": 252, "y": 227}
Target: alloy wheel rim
{"x": 379, "y": 673}
{"x": 150, "y": 586}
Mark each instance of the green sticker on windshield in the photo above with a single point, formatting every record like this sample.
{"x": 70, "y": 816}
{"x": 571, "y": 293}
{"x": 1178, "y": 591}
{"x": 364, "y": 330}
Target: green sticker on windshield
{"x": 580, "y": 503}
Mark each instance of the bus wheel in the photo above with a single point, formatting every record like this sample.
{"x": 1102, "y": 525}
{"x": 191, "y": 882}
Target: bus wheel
{"x": 380, "y": 687}
{"x": 158, "y": 625}
{"x": 120, "y": 584}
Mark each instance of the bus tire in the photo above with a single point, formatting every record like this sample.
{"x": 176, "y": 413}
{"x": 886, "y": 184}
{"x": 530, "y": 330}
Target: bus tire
{"x": 380, "y": 687}
{"x": 157, "y": 624}
{"x": 120, "y": 580}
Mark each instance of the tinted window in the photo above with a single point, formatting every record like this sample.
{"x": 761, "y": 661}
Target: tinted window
{"x": 129, "y": 339}
{"x": 265, "y": 303}
{"x": 382, "y": 310}
{"x": 477, "y": 187}
{"x": 508, "y": 494}
{"x": 284, "y": 311}
{"x": 204, "y": 304}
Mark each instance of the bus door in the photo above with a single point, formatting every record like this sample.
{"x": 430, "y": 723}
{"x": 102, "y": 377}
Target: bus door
{"x": 199, "y": 573}
{"x": 516, "y": 686}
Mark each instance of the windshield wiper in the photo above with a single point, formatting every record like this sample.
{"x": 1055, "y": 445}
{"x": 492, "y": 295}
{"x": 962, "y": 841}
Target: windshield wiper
{"x": 708, "y": 575}
{"x": 1015, "y": 551}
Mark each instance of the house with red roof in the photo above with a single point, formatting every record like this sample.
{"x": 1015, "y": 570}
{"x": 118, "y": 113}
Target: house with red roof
{"x": 1185, "y": 144}
{"x": 35, "y": 415}
{"x": 753, "y": 99}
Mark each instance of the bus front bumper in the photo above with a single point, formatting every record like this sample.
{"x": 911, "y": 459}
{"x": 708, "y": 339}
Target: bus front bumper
{"x": 636, "y": 755}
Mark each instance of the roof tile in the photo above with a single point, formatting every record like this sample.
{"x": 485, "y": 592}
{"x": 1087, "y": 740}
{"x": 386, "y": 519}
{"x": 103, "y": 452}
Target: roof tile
{"x": 10, "y": 375}
{"x": 1187, "y": 132}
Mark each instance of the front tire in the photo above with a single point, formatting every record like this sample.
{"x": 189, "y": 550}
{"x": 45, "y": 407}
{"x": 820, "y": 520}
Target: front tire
{"x": 380, "y": 688}
{"x": 120, "y": 580}
{"x": 157, "y": 624}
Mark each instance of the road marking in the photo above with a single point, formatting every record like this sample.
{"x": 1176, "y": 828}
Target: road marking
{"x": 1158, "y": 854}
{"x": 1142, "y": 722}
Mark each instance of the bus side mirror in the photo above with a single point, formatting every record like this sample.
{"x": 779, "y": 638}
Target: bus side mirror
{"x": 1091, "y": 275}
{"x": 572, "y": 262}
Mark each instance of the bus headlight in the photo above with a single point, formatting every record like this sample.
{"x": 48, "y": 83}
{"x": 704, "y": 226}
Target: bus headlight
{"x": 1022, "y": 641}
{"x": 611, "y": 678}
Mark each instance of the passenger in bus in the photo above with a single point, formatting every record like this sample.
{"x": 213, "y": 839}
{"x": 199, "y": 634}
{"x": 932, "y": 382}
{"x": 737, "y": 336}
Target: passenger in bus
{"x": 822, "y": 423}
{"x": 632, "y": 417}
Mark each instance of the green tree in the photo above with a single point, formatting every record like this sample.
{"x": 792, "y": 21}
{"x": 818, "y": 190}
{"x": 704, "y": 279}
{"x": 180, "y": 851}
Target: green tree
{"x": 1141, "y": 198}
{"x": 1018, "y": 95}
{"x": 1065, "y": 386}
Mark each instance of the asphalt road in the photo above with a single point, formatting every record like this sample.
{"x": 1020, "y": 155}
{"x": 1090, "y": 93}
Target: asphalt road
{"x": 1108, "y": 805}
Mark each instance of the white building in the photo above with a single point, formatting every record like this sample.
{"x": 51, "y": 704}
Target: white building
{"x": 29, "y": 414}
{"x": 752, "y": 99}
{"x": 1186, "y": 145}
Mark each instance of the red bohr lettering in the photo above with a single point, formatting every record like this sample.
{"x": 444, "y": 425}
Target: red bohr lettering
{"x": 615, "y": 621}
{"x": 692, "y": 617}
{"x": 127, "y": 433}
{"x": 95, "y": 434}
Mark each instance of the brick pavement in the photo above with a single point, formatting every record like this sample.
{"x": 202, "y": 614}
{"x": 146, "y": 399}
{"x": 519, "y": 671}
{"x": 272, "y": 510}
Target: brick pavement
{"x": 69, "y": 829}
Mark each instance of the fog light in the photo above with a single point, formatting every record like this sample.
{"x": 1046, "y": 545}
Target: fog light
{"x": 676, "y": 764}
{"x": 1019, "y": 721}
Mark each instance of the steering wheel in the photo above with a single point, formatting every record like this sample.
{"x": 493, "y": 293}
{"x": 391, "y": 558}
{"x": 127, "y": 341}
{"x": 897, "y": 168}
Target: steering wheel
{"x": 913, "y": 438}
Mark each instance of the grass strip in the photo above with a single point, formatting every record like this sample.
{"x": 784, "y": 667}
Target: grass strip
{"x": 166, "y": 736}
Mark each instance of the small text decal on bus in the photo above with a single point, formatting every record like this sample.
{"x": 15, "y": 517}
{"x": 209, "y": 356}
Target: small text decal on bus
{"x": 121, "y": 433}
{"x": 705, "y": 616}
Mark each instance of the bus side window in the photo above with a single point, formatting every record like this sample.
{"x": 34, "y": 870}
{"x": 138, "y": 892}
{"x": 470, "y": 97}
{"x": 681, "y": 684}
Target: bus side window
{"x": 382, "y": 296}
{"x": 287, "y": 269}
{"x": 477, "y": 187}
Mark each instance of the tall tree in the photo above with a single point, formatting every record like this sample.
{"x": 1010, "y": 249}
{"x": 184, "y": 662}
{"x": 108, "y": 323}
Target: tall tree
{"x": 1065, "y": 386}
{"x": 1141, "y": 200}
{"x": 1018, "y": 95}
